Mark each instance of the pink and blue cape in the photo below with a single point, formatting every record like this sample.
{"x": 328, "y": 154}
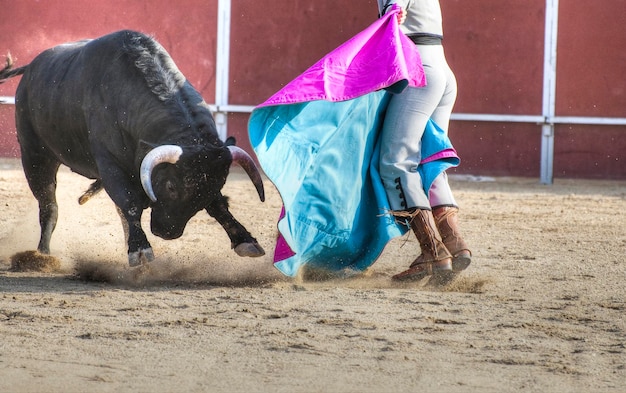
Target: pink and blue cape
{"x": 316, "y": 140}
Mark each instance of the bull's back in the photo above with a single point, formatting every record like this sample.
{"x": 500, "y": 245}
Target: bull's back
{"x": 62, "y": 101}
{"x": 49, "y": 110}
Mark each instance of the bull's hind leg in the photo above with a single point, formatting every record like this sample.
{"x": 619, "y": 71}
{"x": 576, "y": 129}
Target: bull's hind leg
{"x": 241, "y": 240}
{"x": 41, "y": 174}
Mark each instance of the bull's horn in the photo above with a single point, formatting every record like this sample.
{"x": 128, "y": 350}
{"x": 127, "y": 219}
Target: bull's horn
{"x": 156, "y": 156}
{"x": 245, "y": 161}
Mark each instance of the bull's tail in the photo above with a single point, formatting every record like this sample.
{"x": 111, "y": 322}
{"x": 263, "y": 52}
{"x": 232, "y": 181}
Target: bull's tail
{"x": 93, "y": 189}
{"x": 8, "y": 71}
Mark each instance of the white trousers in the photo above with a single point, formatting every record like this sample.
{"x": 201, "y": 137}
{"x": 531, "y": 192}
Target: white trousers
{"x": 403, "y": 127}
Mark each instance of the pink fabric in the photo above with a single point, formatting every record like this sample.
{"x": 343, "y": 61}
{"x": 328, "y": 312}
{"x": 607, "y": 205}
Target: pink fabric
{"x": 447, "y": 153}
{"x": 353, "y": 69}
{"x": 379, "y": 57}
{"x": 282, "y": 250}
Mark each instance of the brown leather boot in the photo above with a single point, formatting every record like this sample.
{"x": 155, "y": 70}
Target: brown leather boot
{"x": 447, "y": 220}
{"x": 435, "y": 259}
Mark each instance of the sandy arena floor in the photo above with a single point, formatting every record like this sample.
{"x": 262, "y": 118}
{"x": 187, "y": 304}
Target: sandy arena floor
{"x": 541, "y": 308}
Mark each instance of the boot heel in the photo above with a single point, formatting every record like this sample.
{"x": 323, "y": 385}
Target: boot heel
{"x": 461, "y": 261}
{"x": 442, "y": 278}
{"x": 418, "y": 270}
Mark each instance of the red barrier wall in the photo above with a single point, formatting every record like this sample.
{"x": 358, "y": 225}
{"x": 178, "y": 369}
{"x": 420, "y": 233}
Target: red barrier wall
{"x": 187, "y": 30}
{"x": 494, "y": 46}
{"x": 496, "y": 49}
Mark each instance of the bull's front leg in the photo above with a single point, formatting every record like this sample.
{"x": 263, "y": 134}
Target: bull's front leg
{"x": 139, "y": 249}
{"x": 240, "y": 239}
{"x": 130, "y": 201}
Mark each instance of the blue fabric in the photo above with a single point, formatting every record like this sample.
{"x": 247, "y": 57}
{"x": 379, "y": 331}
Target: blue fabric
{"x": 316, "y": 139}
{"x": 322, "y": 157}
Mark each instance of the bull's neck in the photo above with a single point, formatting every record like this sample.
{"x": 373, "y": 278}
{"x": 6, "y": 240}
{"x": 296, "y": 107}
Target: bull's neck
{"x": 183, "y": 119}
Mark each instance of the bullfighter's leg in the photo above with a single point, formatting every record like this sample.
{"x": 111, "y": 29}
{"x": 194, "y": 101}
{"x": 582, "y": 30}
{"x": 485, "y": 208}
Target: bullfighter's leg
{"x": 241, "y": 240}
{"x": 130, "y": 201}
{"x": 41, "y": 173}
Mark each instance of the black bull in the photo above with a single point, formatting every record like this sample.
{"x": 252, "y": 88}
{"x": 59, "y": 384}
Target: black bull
{"x": 117, "y": 109}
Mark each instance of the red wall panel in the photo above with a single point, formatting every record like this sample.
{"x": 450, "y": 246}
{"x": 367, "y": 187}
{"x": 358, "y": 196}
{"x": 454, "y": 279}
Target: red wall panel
{"x": 591, "y": 59}
{"x": 272, "y": 45}
{"x": 8, "y": 139}
{"x": 496, "y": 149}
{"x": 591, "y": 152}
{"x": 187, "y": 30}
{"x": 495, "y": 48}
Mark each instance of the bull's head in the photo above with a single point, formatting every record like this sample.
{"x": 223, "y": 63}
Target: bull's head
{"x": 192, "y": 181}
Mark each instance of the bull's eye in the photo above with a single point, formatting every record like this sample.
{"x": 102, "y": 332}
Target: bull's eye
{"x": 171, "y": 190}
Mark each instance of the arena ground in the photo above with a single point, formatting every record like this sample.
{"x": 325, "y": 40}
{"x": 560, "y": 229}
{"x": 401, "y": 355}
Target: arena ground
{"x": 541, "y": 308}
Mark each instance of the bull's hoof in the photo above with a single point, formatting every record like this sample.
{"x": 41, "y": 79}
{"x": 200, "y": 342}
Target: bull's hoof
{"x": 140, "y": 257}
{"x": 249, "y": 250}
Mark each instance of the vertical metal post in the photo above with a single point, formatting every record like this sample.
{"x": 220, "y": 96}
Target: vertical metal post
{"x": 222, "y": 64}
{"x": 549, "y": 91}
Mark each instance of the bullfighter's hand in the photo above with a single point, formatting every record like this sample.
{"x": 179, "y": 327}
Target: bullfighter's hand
{"x": 402, "y": 15}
